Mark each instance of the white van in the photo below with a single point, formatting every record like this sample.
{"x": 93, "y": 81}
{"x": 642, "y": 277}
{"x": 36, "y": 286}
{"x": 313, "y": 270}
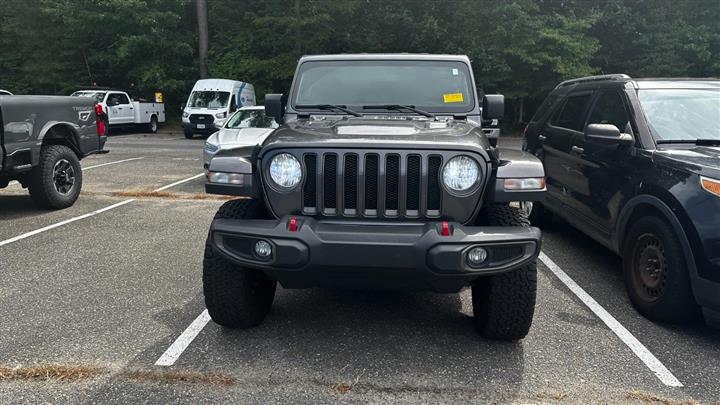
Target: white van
{"x": 211, "y": 102}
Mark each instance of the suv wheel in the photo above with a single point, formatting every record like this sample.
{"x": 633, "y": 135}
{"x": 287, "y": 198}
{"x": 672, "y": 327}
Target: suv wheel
{"x": 504, "y": 304}
{"x": 236, "y": 297}
{"x": 56, "y": 181}
{"x": 655, "y": 272}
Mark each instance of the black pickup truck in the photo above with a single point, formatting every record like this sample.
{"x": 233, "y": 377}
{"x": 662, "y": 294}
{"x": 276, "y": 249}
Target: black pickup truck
{"x": 42, "y": 139}
{"x": 379, "y": 176}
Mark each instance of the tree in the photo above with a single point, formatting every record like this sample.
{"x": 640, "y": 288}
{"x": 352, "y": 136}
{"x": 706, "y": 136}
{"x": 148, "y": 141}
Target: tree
{"x": 202, "y": 24}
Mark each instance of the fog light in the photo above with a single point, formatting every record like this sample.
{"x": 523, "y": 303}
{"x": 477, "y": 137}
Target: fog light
{"x": 263, "y": 249}
{"x": 477, "y": 256}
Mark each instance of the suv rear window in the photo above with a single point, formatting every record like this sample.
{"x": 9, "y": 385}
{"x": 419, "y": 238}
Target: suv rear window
{"x": 572, "y": 113}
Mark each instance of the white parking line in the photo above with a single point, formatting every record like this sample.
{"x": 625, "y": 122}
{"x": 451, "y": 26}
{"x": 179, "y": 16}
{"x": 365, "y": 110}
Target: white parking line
{"x": 88, "y": 215}
{"x": 65, "y": 222}
{"x": 635, "y": 345}
{"x": 183, "y": 341}
{"x": 179, "y": 182}
{"x": 12, "y": 183}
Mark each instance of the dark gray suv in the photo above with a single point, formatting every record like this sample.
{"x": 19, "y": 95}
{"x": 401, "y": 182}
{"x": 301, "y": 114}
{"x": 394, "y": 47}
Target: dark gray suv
{"x": 380, "y": 176}
{"x": 635, "y": 164}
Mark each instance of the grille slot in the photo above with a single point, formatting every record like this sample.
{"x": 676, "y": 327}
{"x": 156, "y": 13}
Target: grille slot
{"x": 310, "y": 187}
{"x": 330, "y": 182}
{"x": 201, "y": 119}
{"x": 392, "y": 183}
{"x": 433, "y": 203}
{"x": 371, "y": 182}
{"x": 413, "y": 184}
{"x": 350, "y": 181}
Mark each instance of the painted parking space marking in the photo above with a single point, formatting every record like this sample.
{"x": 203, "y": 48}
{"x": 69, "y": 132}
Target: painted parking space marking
{"x": 14, "y": 182}
{"x": 65, "y": 222}
{"x": 179, "y": 182}
{"x": 88, "y": 215}
{"x": 183, "y": 341}
{"x": 642, "y": 352}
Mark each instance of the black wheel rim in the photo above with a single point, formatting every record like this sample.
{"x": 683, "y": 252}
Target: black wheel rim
{"x": 63, "y": 176}
{"x": 649, "y": 267}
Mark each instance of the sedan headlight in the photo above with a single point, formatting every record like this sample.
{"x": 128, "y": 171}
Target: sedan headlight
{"x": 461, "y": 173}
{"x": 285, "y": 171}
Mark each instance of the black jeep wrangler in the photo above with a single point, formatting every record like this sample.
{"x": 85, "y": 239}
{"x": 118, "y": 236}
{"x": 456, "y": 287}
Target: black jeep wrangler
{"x": 380, "y": 176}
{"x": 635, "y": 164}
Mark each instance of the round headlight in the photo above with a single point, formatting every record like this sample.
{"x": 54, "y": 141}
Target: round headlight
{"x": 460, "y": 173}
{"x": 285, "y": 170}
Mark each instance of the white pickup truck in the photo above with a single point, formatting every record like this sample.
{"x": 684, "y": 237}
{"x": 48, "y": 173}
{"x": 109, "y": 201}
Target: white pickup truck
{"x": 121, "y": 110}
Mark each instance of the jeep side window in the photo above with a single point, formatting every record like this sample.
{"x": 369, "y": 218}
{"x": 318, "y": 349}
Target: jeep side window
{"x": 572, "y": 113}
{"x": 610, "y": 109}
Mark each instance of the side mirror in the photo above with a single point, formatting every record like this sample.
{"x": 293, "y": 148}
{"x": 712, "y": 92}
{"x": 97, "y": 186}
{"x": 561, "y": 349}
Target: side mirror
{"x": 493, "y": 106}
{"x": 274, "y": 106}
{"x": 607, "y": 133}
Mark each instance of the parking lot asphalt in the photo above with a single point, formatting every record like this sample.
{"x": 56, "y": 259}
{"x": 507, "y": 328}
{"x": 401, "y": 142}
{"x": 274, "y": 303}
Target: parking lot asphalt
{"x": 92, "y": 296}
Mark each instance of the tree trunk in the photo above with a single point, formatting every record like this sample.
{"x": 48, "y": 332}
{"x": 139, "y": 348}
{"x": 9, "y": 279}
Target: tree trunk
{"x": 297, "y": 29}
{"x": 520, "y": 113}
{"x": 202, "y": 22}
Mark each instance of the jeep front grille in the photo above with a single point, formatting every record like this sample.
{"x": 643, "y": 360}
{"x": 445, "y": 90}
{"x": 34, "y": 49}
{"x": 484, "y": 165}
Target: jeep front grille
{"x": 375, "y": 184}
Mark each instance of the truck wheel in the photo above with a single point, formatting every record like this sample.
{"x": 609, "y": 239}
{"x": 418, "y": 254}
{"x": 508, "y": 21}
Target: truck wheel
{"x": 504, "y": 304}
{"x": 236, "y": 297}
{"x": 56, "y": 182}
{"x": 188, "y": 133}
{"x": 655, "y": 272}
{"x": 153, "y": 125}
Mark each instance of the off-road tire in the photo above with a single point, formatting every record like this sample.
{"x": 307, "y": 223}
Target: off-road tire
{"x": 504, "y": 304}
{"x": 236, "y": 297}
{"x": 672, "y": 300}
{"x": 42, "y": 182}
{"x": 539, "y": 215}
{"x": 188, "y": 134}
{"x": 153, "y": 125}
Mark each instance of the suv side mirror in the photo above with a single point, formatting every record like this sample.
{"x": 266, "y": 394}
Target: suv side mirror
{"x": 607, "y": 133}
{"x": 493, "y": 106}
{"x": 274, "y": 106}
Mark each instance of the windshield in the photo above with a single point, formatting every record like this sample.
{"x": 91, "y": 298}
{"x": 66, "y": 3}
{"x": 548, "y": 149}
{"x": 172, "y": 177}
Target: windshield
{"x": 435, "y": 86}
{"x": 97, "y": 95}
{"x": 251, "y": 119}
{"x": 208, "y": 99}
{"x": 682, "y": 114}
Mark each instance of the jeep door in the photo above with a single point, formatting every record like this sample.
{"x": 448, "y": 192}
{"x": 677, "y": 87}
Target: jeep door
{"x": 556, "y": 138}
{"x": 607, "y": 167}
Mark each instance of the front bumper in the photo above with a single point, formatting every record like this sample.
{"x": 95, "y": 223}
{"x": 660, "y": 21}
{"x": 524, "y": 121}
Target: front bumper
{"x": 374, "y": 255}
{"x": 210, "y": 128}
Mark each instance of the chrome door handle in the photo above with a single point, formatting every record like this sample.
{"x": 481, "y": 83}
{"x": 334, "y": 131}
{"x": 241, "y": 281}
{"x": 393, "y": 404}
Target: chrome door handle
{"x": 576, "y": 149}
{"x": 542, "y": 138}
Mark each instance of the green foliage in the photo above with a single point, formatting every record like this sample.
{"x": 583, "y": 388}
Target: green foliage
{"x": 521, "y": 48}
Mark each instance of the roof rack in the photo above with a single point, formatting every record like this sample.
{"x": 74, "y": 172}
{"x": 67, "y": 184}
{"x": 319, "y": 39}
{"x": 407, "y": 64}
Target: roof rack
{"x": 599, "y": 78}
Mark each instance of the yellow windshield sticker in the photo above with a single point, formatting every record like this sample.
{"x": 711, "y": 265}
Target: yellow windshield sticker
{"x": 453, "y": 98}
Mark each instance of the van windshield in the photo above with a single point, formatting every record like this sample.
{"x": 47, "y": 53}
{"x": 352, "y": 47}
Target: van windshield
{"x": 435, "y": 86}
{"x": 208, "y": 99}
{"x": 682, "y": 114}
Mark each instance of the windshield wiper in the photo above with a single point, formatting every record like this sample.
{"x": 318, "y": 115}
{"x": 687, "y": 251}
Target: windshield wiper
{"x": 699, "y": 142}
{"x": 329, "y": 107}
{"x": 399, "y": 107}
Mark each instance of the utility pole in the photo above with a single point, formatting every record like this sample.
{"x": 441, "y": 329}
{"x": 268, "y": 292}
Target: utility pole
{"x": 202, "y": 22}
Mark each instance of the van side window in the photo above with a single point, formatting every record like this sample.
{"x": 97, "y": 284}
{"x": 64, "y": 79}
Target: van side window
{"x": 572, "y": 113}
{"x": 610, "y": 109}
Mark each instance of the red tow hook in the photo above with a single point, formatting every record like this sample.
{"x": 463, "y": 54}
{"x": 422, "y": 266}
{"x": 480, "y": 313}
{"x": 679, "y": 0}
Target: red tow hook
{"x": 445, "y": 230}
{"x": 292, "y": 224}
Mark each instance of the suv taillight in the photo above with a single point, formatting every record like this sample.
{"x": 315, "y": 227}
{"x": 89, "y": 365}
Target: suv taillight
{"x": 99, "y": 122}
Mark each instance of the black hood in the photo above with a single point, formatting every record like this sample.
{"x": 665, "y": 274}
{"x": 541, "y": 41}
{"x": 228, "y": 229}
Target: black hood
{"x": 367, "y": 133}
{"x": 702, "y": 160}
